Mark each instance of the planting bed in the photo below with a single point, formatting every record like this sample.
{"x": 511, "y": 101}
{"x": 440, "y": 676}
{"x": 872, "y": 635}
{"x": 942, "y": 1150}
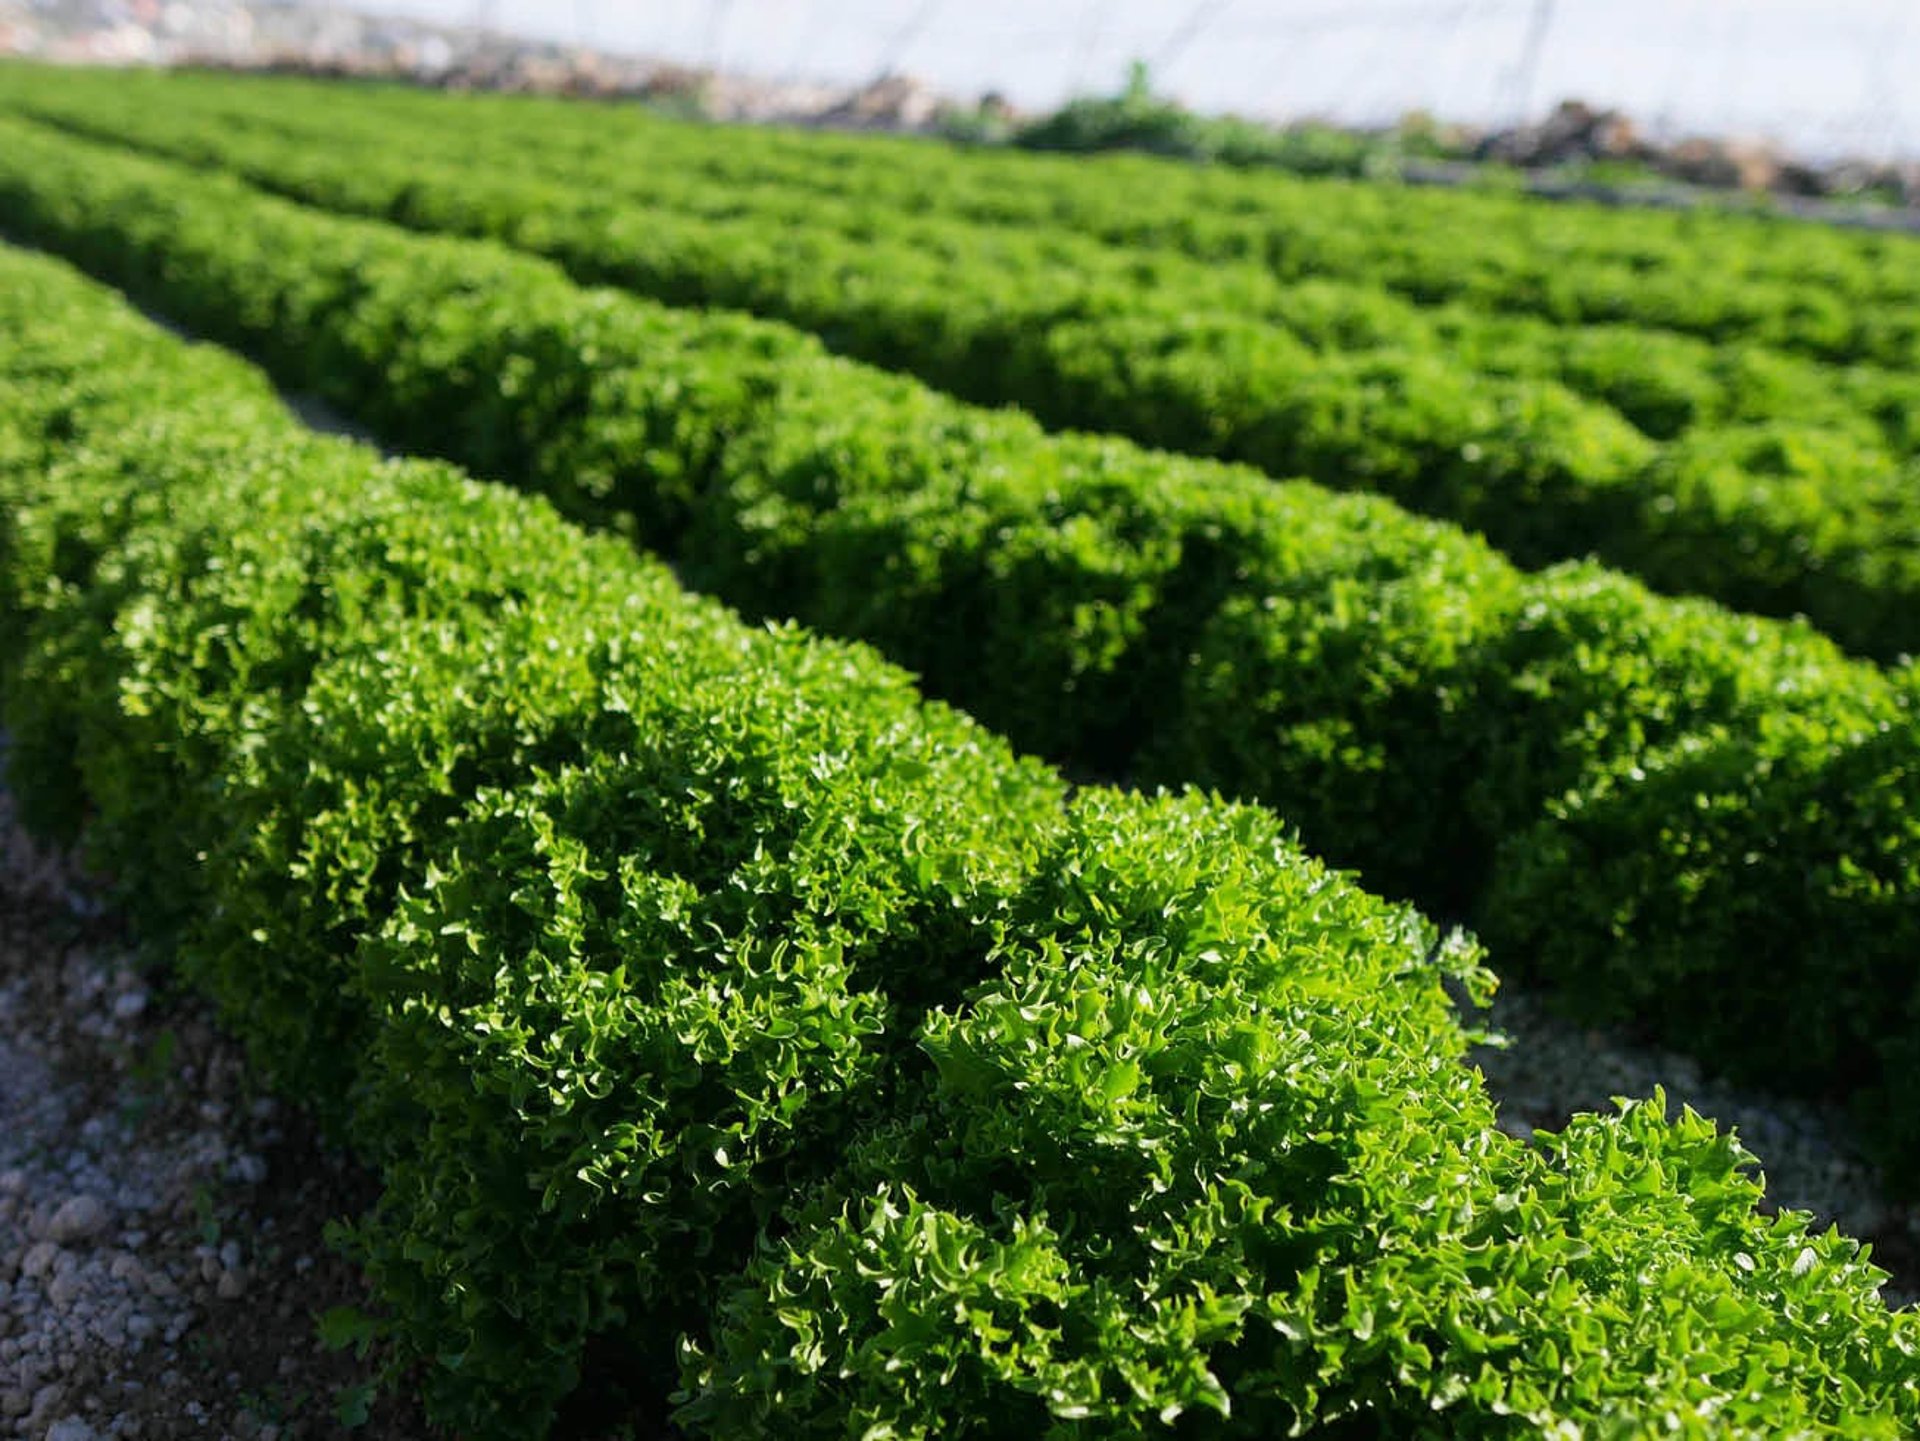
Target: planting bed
{"x": 707, "y": 1030}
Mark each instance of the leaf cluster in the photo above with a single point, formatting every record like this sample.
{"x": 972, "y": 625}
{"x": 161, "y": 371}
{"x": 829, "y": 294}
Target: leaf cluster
{"x": 1599, "y": 780}
{"x": 1525, "y": 429}
{"x": 678, "y": 975}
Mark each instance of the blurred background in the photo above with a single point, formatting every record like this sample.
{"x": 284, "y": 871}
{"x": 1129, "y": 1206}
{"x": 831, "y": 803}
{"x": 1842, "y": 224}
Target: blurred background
{"x": 1750, "y": 85}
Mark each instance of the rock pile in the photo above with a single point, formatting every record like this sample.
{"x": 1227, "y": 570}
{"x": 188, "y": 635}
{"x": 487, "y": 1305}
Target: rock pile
{"x": 1580, "y": 134}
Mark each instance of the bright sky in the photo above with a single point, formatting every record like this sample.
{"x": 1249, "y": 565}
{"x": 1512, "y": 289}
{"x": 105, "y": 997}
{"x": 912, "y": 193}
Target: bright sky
{"x": 1825, "y": 75}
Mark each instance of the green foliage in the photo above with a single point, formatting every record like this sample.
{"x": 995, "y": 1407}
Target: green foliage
{"x": 1158, "y": 1224}
{"x": 680, "y": 977}
{"x": 1813, "y": 289}
{"x": 1520, "y": 427}
{"x": 1136, "y": 119}
{"x": 458, "y": 699}
{"x": 1418, "y": 707}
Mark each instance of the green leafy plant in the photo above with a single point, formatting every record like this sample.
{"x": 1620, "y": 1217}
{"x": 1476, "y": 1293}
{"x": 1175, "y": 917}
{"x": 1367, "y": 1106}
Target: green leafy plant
{"x": 1523, "y": 428}
{"x": 1420, "y": 708}
{"x": 1137, "y": 119}
{"x": 679, "y": 976}
{"x": 695, "y": 978}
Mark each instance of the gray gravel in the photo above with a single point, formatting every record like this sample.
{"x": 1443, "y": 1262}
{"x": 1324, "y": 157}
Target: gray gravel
{"x": 161, "y": 1246}
{"x": 96, "y": 1273}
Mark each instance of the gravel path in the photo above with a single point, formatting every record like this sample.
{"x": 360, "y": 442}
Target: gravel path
{"x": 162, "y": 1257}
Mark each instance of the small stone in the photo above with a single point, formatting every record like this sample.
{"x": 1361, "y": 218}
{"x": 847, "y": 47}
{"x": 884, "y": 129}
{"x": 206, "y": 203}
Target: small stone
{"x": 233, "y": 1285}
{"x": 159, "y": 1284}
{"x": 64, "y": 1290}
{"x": 129, "y": 1004}
{"x": 39, "y": 1258}
{"x": 78, "y": 1218}
{"x": 46, "y": 1399}
{"x": 71, "y": 1428}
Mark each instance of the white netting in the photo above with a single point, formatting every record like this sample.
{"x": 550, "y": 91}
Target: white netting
{"x": 1822, "y": 76}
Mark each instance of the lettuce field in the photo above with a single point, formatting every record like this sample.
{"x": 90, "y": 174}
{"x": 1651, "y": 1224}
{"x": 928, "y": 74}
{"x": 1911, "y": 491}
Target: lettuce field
{"x": 885, "y": 816}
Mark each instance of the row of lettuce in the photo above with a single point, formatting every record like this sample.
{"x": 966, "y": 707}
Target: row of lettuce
{"x": 1803, "y": 516}
{"x": 1678, "y": 381}
{"x": 1663, "y": 382}
{"x": 1830, "y": 294}
{"x": 681, "y": 977}
{"x": 1696, "y": 821}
